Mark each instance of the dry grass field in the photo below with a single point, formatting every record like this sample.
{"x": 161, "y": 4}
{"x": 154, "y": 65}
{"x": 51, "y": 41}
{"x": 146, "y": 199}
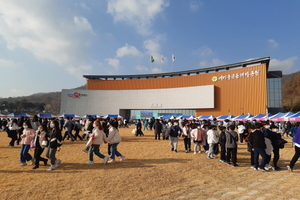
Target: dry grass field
{"x": 151, "y": 171}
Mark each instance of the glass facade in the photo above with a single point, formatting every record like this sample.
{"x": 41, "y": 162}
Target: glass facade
{"x": 142, "y": 114}
{"x": 274, "y": 92}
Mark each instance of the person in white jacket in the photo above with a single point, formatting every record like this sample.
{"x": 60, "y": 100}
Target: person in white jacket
{"x": 114, "y": 139}
{"x": 96, "y": 139}
{"x": 241, "y": 130}
{"x": 212, "y": 140}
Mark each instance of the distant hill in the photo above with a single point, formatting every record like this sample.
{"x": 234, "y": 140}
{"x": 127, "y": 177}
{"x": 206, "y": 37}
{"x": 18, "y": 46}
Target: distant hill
{"x": 51, "y": 100}
{"x": 291, "y": 91}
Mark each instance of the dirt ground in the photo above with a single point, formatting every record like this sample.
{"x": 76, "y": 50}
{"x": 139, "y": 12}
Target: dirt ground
{"x": 150, "y": 171}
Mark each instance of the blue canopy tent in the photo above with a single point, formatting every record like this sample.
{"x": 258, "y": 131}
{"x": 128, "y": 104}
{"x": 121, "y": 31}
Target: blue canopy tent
{"x": 113, "y": 116}
{"x": 223, "y": 117}
{"x": 262, "y": 117}
{"x": 258, "y": 116}
{"x": 281, "y": 116}
{"x": 202, "y": 117}
{"x": 46, "y": 116}
{"x": 94, "y": 116}
{"x": 294, "y": 117}
{"x": 17, "y": 115}
{"x": 188, "y": 117}
{"x": 69, "y": 115}
{"x": 243, "y": 117}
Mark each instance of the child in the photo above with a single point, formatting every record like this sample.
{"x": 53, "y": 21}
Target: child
{"x": 186, "y": 137}
{"x": 55, "y": 141}
{"x": 97, "y": 138}
{"x": 197, "y": 136}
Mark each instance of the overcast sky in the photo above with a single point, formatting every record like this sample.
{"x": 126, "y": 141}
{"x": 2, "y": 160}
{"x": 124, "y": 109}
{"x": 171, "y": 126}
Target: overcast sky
{"x": 48, "y": 45}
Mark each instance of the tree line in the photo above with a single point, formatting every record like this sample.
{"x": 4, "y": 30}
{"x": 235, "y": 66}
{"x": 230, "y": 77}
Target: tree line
{"x": 22, "y": 106}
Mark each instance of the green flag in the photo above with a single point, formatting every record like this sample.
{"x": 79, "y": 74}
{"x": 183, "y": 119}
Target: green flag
{"x": 151, "y": 59}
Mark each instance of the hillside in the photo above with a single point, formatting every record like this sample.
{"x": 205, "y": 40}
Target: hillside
{"x": 50, "y": 102}
{"x": 291, "y": 91}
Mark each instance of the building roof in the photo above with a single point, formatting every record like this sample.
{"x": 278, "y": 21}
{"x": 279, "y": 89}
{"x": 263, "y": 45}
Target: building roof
{"x": 247, "y": 63}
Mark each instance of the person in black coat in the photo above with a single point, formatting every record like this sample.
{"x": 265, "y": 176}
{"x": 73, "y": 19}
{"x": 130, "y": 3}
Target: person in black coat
{"x": 274, "y": 137}
{"x": 139, "y": 128}
{"x": 54, "y": 143}
{"x": 157, "y": 126}
{"x": 222, "y": 142}
{"x": 257, "y": 139}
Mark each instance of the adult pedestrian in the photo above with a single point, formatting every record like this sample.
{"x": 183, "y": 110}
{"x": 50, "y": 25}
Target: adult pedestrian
{"x": 231, "y": 146}
{"x": 54, "y": 144}
{"x": 186, "y": 134}
{"x": 296, "y": 156}
{"x": 212, "y": 140}
{"x": 26, "y": 138}
{"x": 257, "y": 140}
{"x": 174, "y": 134}
{"x": 157, "y": 129}
{"x": 68, "y": 129}
{"x": 97, "y": 138}
{"x": 40, "y": 142}
{"x": 114, "y": 139}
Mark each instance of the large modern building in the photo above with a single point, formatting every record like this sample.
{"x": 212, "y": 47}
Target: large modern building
{"x": 240, "y": 88}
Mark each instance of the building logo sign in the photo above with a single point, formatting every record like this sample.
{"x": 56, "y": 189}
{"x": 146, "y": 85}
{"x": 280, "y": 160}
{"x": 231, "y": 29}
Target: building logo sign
{"x": 76, "y": 95}
{"x": 236, "y": 76}
{"x": 214, "y": 78}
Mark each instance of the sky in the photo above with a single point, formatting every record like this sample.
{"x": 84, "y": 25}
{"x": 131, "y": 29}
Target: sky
{"x": 48, "y": 45}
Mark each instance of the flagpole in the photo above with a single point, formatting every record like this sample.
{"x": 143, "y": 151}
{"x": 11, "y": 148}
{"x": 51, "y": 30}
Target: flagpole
{"x": 161, "y": 62}
{"x": 172, "y": 63}
{"x": 150, "y": 65}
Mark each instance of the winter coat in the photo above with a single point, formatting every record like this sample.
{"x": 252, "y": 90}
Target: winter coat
{"x": 39, "y": 137}
{"x": 257, "y": 139}
{"x": 175, "y": 131}
{"x": 113, "y": 136}
{"x": 98, "y": 136}
{"x": 157, "y": 127}
{"x": 231, "y": 139}
{"x": 212, "y": 136}
{"x": 54, "y": 139}
{"x": 197, "y": 134}
{"x": 27, "y": 136}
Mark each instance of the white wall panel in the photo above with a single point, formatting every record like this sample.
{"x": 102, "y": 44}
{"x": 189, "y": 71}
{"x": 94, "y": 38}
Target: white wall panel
{"x": 103, "y": 102}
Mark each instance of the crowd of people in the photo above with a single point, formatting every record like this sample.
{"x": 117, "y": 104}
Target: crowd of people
{"x": 41, "y": 134}
{"x": 222, "y": 137}
{"x": 213, "y": 137}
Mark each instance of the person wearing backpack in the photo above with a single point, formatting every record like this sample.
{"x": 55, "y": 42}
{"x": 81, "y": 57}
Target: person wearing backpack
{"x": 231, "y": 146}
{"x": 197, "y": 137}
